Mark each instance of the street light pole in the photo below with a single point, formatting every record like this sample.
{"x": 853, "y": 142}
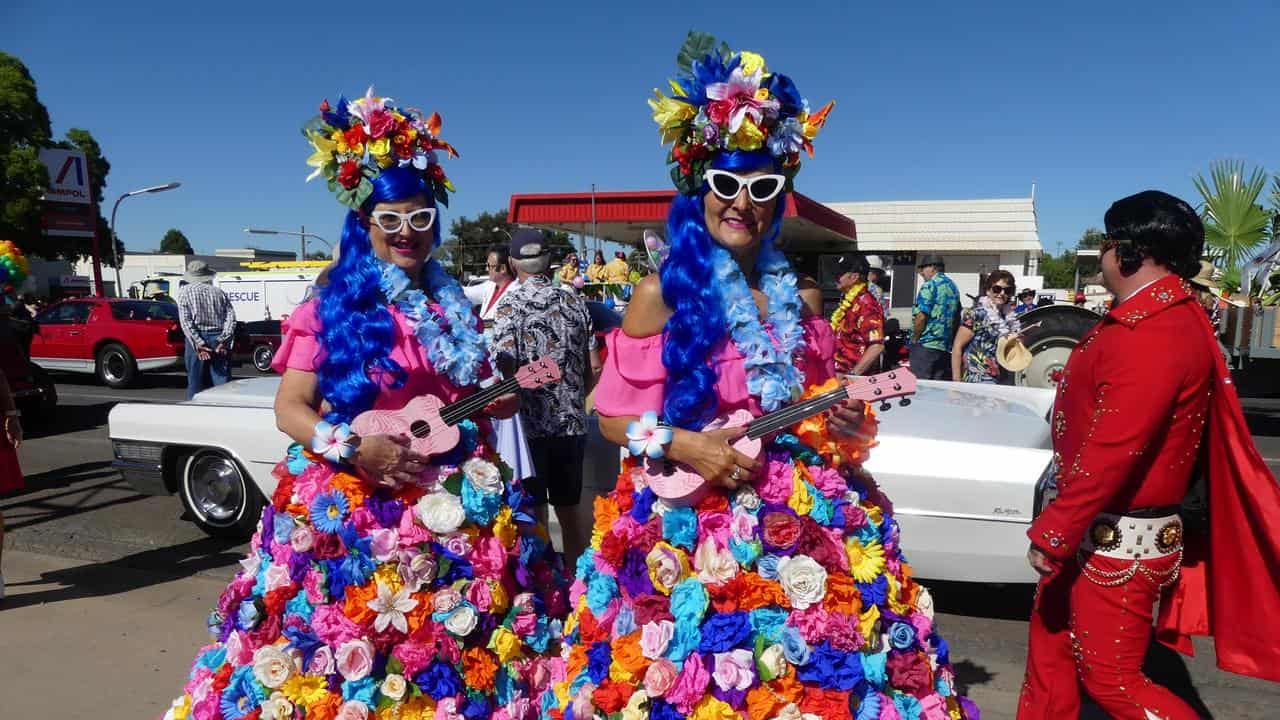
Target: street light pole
{"x": 302, "y": 236}
{"x": 115, "y": 260}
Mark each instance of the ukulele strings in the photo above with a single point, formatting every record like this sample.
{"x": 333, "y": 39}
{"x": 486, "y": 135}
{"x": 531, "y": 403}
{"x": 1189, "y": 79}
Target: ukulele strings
{"x": 451, "y": 414}
{"x": 788, "y": 416}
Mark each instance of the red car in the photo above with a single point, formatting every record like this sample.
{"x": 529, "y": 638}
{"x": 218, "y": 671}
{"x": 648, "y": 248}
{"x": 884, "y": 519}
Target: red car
{"x": 112, "y": 338}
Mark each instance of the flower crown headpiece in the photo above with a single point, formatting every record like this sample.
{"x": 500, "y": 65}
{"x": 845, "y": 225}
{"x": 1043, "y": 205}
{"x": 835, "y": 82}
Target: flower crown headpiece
{"x": 357, "y": 139}
{"x": 727, "y": 100}
{"x": 13, "y": 267}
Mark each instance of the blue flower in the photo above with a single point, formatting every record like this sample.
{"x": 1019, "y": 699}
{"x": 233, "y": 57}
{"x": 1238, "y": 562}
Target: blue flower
{"x": 688, "y": 601}
{"x": 625, "y": 622}
{"x": 643, "y": 506}
{"x": 908, "y": 707}
{"x": 767, "y": 567}
{"x": 869, "y": 709}
{"x": 599, "y": 657}
{"x": 831, "y": 668}
{"x": 241, "y": 695}
{"x": 875, "y": 592}
{"x": 329, "y": 510}
{"x": 475, "y": 707}
{"x": 601, "y": 590}
{"x": 686, "y": 638}
{"x": 247, "y": 615}
{"x": 744, "y": 552}
{"x": 361, "y": 690}
{"x": 941, "y": 649}
{"x": 725, "y": 631}
{"x": 768, "y": 622}
{"x": 942, "y": 687}
{"x": 662, "y": 710}
{"x": 680, "y": 527}
{"x": 304, "y": 642}
{"x": 794, "y": 648}
{"x": 902, "y": 635}
{"x": 480, "y": 507}
{"x": 281, "y": 527}
{"x": 873, "y": 668}
{"x": 212, "y": 658}
{"x": 298, "y": 605}
{"x": 296, "y": 462}
{"x": 439, "y": 680}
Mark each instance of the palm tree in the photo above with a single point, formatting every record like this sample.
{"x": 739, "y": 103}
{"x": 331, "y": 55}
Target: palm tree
{"x": 1234, "y": 223}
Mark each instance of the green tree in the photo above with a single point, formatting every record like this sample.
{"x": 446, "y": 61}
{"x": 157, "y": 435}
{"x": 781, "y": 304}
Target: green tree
{"x": 1091, "y": 238}
{"x": 175, "y": 243}
{"x": 1234, "y": 223}
{"x": 319, "y": 255}
{"x": 1059, "y": 272}
{"x": 467, "y": 246}
{"x": 24, "y": 129}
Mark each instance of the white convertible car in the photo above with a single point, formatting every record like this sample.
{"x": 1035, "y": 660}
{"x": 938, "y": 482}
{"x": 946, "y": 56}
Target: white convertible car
{"x": 962, "y": 466}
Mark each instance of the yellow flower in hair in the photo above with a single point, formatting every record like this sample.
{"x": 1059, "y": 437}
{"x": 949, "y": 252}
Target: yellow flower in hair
{"x": 380, "y": 149}
{"x": 748, "y": 137}
{"x": 323, "y": 155}
{"x": 670, "y": 114}
{"x": 751, "y": 62}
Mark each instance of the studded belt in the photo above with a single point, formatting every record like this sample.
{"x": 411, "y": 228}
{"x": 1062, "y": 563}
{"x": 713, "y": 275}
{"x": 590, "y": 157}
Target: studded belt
{"x": 1123, "y": 537}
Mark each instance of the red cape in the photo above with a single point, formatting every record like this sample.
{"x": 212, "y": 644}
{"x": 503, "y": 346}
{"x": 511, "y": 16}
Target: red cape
{"x": 1230, "y": 586}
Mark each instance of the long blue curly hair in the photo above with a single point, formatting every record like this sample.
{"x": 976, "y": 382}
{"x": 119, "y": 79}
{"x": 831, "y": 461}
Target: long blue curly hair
{"x": 356, "y": 329}
{"x": 697, "y": 324}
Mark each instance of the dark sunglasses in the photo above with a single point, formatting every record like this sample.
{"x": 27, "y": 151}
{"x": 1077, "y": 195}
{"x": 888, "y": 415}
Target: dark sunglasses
{"x": 1006, "y": 290}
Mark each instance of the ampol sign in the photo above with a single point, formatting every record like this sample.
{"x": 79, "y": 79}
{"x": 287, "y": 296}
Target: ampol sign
{"x": 68, "y": 176}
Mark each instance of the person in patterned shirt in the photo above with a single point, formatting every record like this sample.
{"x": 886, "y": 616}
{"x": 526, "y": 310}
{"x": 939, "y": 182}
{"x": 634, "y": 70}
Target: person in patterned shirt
{"x": 858, "y": 321}
{"x": 536, "y": 320}
{"x": 936, "y": 315}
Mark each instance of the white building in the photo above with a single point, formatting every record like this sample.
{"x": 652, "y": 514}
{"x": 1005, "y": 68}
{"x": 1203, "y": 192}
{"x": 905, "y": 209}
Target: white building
{"x": 974, "y": 238}
{"x": 137, "y": 266}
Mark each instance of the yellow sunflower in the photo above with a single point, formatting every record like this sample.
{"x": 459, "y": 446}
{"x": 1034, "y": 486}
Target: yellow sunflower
{"x": 305, "y": 690}
{"x": 866, "y": 561}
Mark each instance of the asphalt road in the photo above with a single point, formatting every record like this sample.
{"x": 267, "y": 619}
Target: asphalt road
{"x": 77, "y": 508}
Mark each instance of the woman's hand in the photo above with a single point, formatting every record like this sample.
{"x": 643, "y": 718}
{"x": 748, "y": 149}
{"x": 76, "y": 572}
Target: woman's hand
{"x": 845, "y": 419}
{"x": 504, "y": 407}
{"x": 387, "y": 460}
{"x": 711, "y": 454}
{"x": 13, "y": 431}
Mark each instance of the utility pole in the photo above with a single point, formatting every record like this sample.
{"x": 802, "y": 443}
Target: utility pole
{"x": 302, "y": 237}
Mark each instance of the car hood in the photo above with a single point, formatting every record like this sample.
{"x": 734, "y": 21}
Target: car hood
{"x": 250, "y": 392}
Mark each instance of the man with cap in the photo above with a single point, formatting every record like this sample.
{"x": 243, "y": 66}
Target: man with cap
{"x": 935, "y": 316}
{"x": 537, "y": 320}
{"x": 858, "y": 321}
{"x": 1144, "y": 406}
{"x": 208, "y": 321}
{"x": 1026, "y": 301}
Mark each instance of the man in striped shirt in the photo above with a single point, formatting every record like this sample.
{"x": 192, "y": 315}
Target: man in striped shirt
{"x": 209, "y": 322}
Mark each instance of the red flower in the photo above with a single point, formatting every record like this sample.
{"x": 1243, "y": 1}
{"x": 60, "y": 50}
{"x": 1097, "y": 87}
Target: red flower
{"x": 612, "y": 549}
{"x": 649, "y": 608}
{"x": 909, "y": 672}
{"x": 355, "y": 136}
{"x": 817, "y": 544}
{"x": 718, "y": 111}
{"x": 324, "y": 106}
{"x": 381, "y": 123}
{"x": 714, "y": 503}
{"x": 827, "y": 704}
{"x": 284, "y": 487}
{"x": 590, "y": 629}
{"x": 222, "y": 678}
{"x": 610, "y": 697}
{"x": 724, "y": 597}
{"x": 328, "y": 547}
{"x": 349, "y": 174}
{"x": 781, "y": 530}
{"x": 276, "y": 599}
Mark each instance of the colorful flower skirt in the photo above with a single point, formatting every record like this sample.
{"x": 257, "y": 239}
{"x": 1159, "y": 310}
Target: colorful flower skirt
{"x": 443, "y": 601}
{"x": 788, "y": 598}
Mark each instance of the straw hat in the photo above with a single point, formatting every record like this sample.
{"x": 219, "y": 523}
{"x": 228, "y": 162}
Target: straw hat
{"x": 1012, "y": 354}
{"x": 1204, "y": 278}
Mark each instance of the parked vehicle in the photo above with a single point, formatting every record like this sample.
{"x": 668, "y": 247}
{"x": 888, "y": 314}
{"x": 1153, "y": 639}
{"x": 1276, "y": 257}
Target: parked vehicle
{"x": 266, "y": 291}
{"x": 112, "y": 338}
{"x": 33, "y": 390}
{"x": 961, "y": 464}
{"x": 256, "y": 343}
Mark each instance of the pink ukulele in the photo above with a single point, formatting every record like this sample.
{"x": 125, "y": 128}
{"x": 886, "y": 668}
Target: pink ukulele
{"x": 678, "y": 484}
{"x": 433, "y": 428}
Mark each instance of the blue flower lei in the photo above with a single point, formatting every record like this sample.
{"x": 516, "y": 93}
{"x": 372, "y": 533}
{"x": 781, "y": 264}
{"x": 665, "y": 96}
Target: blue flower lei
{"x": 457, "y": 353}
{"x": 772, "y": 374}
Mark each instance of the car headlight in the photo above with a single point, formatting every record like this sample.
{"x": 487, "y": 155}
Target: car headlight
{"x": 1046, "y": 489}
{"x": 137, "y": 452}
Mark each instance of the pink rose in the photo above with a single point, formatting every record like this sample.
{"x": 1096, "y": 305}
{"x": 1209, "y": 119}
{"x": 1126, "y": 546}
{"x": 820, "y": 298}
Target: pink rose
{"x": 355, "y": 659}
{"x": 238, "y": 647}
{"x": 277, "y": 576}
{"x": 777, "y": 484}
{"x": 458, "y": 544}
{"x": 829, "y": 482}
{"x": 447, "y": 709}
{"x": 659, "y": 678}
{"x": 714, "y": 525}
{"x": 353, "y": 710}
{"x": 734, "y": 669}
{"x": 322, "y": 662}
{"x": 415, "y": 656}
{"x": 691, "y": 684}
{"x": 743, "y": 525}
{"x": 813, "y": 623}
{"x": 480, "y": 595}
{"x": 313, "y": 583}
{"x": 364, "y": 520}
{"x": 331, "y": 626}
{"x": 383, "y": 543}
{"x": 411, "y": 533}
{"x": 523, "y": 602}
{"x": 312, "y": 481}
{"x": 446, "y": 600}
{"x": 489, "y": 557}
{"x": 655, "y": 637}
{"x": 380, "y": 123}
{"x": 923, "y": 626}
{"x": 524, "y": 624}
{"x": 933, "y": 707}
{"x": 302, "y": 538}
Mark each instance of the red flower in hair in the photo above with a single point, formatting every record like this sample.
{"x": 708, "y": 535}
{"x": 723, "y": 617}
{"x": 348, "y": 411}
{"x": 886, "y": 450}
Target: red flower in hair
{"x": 349, "y": 174}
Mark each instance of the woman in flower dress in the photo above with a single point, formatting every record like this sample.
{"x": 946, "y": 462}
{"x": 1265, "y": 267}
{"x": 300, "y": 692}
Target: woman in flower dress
{"x": 973, "y": 354}
{"x": 382, "y": 583}
{"x": 783, "y": 593}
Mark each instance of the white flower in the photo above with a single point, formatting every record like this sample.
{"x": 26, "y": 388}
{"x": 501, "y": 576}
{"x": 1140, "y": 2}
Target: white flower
{"x": 774, "y": 661}
{"x": 391, "y": 608}
{"x": 272, "y": 666}
{"x": 748, "y": 498}
{"x": 440, "y": 512}
{"x": 803, "y": 580}
{"x": 484, "y": 475}
{"x": 924, "y": 603}
{"x": 715, "y": 566}
{"x": 462, "y": 620}
{"x": 792, "y": 712}
{"x": 277, "y": 707}
{"x": 394, "y": 686}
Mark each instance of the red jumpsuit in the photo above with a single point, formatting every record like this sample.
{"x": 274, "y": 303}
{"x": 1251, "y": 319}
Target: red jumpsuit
{"x": 1127, "y": 427}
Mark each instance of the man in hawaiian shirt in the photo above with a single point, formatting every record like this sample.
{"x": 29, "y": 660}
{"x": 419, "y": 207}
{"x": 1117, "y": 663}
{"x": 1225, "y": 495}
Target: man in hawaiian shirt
{"x": 858, "y": 321}
{"x": 936, "y": 316}
{"x": 538, "y": 320}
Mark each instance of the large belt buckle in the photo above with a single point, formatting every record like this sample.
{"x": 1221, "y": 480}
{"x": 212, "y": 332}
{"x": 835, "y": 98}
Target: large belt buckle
{"x": 1105, "y": 534}
{"x": 1169, "y": 537}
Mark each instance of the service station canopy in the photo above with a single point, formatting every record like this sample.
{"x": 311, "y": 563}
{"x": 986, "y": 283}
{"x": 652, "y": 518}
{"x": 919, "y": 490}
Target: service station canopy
{"x": 808, "y": 226}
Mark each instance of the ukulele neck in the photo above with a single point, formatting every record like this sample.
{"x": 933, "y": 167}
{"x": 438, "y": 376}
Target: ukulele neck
{"x": 456, "y": 412}
{"x": 792, "y": 414}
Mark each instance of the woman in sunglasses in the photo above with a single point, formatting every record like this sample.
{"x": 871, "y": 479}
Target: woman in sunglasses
{"x": 382, "y": 581}
{"x": 782, "y": 592}
{"x": 973, "y": 355}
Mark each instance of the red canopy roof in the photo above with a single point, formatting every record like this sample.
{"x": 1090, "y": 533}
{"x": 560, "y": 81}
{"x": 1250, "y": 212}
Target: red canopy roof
{"x": 624, "y": 216}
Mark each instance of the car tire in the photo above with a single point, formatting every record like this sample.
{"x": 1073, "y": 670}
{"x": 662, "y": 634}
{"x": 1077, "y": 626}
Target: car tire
{"x": 220, "y": 496}
{"x": 115, "y": 366}
{"x": 1060, "y": 329}
{"x": 262, "y": 356}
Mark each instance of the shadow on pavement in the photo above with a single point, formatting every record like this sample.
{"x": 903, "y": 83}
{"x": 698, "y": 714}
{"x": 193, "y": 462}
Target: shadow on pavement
{"x": 143, "y": 569}
{"x": 65, "y": 476}
{"x": 71, "y": 419}
{"x": 144, "y": 380}
{"x": 998, "y": 602}
{"x": 969, "y": 674}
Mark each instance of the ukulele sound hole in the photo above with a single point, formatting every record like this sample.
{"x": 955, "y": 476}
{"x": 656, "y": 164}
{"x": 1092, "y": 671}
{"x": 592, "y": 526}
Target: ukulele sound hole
{"x": 420, "y": 428}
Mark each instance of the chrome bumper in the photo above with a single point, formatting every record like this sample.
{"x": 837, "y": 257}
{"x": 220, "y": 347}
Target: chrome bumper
{"x": 141, "y": 465}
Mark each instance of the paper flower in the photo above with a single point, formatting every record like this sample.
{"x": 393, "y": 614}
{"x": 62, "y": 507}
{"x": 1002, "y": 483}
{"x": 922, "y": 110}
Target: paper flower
{"x": 647, "y": 437}
{"x": 330, "y": 441}
{"x": 391, "y": 607}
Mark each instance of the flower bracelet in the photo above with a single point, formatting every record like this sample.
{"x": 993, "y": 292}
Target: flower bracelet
{"x": 649, "y": 437}
{"x": 336, "y": 443}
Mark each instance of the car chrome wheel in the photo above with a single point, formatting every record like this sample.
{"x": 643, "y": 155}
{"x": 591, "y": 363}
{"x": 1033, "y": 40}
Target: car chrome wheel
{"x": 262, "y": 356}
{"x": 215, "y": 488}
{"x": 115, "y": 366}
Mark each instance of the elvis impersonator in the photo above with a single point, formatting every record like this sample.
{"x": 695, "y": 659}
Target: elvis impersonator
{"x": 1144, "y": 409}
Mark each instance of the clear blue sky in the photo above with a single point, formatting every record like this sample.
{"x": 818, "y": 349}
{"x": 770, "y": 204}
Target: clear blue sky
{"x": 1090, "y": 100}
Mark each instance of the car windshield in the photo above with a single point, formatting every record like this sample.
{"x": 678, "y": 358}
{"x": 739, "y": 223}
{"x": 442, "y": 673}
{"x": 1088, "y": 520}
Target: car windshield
{"x": 144, "y": 310}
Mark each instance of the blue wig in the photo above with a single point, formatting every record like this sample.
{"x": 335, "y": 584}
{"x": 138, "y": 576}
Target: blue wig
{"x": 698, "y": 322}
{"x": 356, "y": 328}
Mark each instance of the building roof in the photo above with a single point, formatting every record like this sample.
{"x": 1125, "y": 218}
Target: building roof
{"x": 945, "y": 225}
{"x": 624, "y": 216}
